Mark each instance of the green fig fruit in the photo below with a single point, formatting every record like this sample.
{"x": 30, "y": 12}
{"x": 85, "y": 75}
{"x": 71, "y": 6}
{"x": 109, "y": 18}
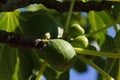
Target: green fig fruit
{"x": 75, "y": 30}
{"x": 60, "y": 54}
{"x": 80, "y": 42}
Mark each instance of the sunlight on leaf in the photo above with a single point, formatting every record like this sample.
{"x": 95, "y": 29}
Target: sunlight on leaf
{"x": 17, "y": 67}
{"x": 9, "y": 21}
{"x": 105, "y": 18}
{"x": 7, "y": 62}
{"x": 96, "y": 23}
{"x": 35, "y": 7}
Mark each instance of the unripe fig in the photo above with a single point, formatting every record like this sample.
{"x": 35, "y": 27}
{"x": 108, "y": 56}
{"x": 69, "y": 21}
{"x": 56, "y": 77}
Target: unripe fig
{"x": 80, "y": 41}
{"x": 75, "y": 30}
{"x": 59, "y": 54}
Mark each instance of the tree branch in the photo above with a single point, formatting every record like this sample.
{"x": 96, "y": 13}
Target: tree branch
{"x": 15, "y": 40}
{"x": 59, "y": 6}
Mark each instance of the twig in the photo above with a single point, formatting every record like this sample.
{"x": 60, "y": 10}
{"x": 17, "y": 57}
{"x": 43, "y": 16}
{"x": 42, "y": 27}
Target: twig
{"x": 15, "y": 40}
{"x": 59, "y": 6}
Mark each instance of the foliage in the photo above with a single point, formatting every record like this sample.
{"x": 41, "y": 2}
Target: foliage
{"x": 38, "y": 21}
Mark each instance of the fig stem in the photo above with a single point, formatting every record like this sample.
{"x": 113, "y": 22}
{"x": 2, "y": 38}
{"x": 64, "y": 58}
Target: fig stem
{"x": 118, "y": 73}
{"x": 95, "y": 53}
{"x": 89, "y": 62}
{"x": 68, "y": 18}
{"x": 45, "y": 41}
{"x": 42, "y": 68}
{"x": 112, "y": 66}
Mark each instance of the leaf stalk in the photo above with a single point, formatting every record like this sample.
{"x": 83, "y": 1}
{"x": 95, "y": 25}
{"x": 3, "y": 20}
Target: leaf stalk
{"x": 89, "y": 62}
{"x": 81, "y": 51}
{"x": 41, "y": 70}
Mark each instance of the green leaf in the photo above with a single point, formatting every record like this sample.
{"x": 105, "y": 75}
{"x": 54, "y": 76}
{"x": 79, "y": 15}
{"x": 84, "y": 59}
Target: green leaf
{"x": 108, "y": 45}
{"x": 79, "y": 66}
{"x": 38, "y": 25}
{"x": 115, "y": 10}
{"x": 15, "y": 74}
{"x": 60, "y": 18}
{"x": 105, "y": 18}
{"x": 111, "y": 67}
{"x": 99, "y": 61}
{"x": 8, "y": 61}
{"x": 64, "y": 76}
{"x": 50, "y": 74}
{"x": 17, "y": 64}
{"x": 117, "y": 39}
{"x": 97, "y": 23}
{"x": 14, "y": 63}
{"x": 29, "y": 61}
{"x": 9, "y": 21}
{"x": 23, "y": 17}
{"x": 35, "y": 7}
{"x": 95, "y": 20}
{"x": 24, "y": 61}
